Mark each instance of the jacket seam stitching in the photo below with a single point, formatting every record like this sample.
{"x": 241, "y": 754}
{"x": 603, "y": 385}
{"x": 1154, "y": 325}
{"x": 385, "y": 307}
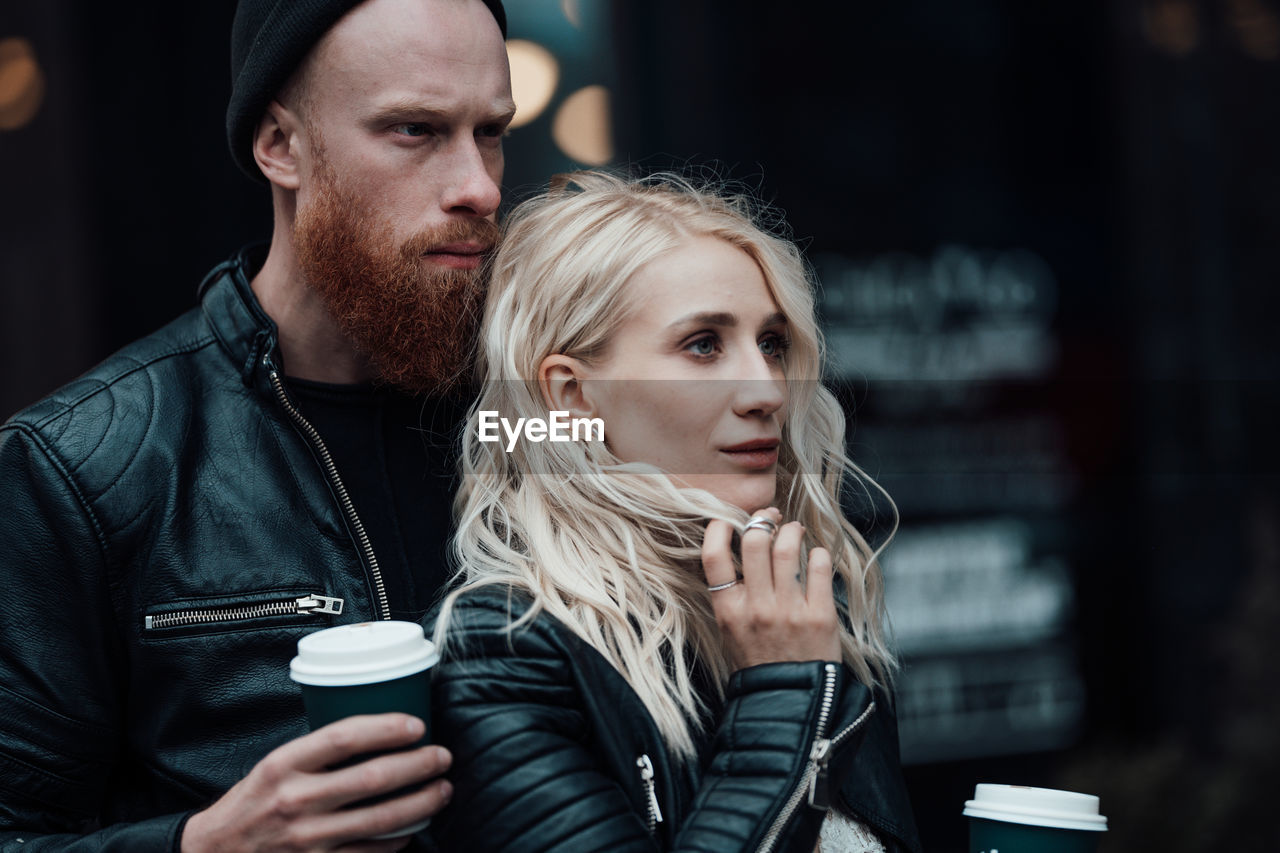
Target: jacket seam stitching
{"x": 41, "y": 772}
{"x": 103, "y": 385}
{"x": 61, "y": 467}
{"x": 92, "y": 727}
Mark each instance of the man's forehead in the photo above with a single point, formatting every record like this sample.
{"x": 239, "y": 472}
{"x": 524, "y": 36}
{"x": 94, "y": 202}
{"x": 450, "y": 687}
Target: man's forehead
{"x": 431, "y": 44}
{"x": 422, "y": 26}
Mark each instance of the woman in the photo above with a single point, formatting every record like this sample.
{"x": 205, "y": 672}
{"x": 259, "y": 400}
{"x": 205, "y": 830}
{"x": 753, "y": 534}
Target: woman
{"x": 617, "y": 673}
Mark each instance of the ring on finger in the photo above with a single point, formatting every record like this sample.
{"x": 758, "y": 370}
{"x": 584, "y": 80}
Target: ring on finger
{"x": 762, "y": 522}
{"x": 721, "y": 586}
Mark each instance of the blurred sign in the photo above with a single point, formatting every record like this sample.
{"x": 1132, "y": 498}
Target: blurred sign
{"x": 951, "y": 351}
{"x": 981, "y": 621}
{"x": 963, "y": 314}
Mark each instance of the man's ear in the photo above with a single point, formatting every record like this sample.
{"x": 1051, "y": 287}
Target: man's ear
{"x": 276, "y": 144}
{"x": 561, "y": 380}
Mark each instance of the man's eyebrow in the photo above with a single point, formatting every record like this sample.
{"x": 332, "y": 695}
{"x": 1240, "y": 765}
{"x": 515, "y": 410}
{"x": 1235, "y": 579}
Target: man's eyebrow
{"x": 410, "y": 109}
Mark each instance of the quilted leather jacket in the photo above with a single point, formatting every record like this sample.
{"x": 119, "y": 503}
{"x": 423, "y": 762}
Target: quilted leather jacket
{"x": 553, "y": 750}
{"x": 168, "y": 533}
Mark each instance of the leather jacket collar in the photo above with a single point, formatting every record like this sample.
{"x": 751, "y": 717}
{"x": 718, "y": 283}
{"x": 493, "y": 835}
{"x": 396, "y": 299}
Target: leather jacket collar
{"x": 242, "y": 328}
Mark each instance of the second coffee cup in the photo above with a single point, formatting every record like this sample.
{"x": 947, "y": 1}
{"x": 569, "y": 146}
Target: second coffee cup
{"x": 1019, "y": 819}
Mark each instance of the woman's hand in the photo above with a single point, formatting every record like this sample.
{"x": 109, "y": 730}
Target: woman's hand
{"x": 769, "y": 615}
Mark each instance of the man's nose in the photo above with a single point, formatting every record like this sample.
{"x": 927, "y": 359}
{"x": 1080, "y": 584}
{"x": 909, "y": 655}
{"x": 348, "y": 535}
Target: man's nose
{"x": 472, "y": 182}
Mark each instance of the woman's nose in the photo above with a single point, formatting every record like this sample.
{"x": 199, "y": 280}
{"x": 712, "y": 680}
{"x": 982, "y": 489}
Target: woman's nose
{"x": 761, "y": 390}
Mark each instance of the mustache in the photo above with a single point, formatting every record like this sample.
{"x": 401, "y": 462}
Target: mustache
{"x": 479, "y": 231}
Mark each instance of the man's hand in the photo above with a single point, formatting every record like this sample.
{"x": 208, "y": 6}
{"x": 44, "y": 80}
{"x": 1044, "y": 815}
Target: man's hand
{"x": 292, "y": 801}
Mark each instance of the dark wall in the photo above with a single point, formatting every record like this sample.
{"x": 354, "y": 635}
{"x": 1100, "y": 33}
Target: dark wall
{"x": 119, "y": 195}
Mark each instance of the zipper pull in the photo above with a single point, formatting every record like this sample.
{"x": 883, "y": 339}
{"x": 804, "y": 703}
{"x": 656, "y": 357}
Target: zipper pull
{"x": 646, "y": 774}
{"x": 320, "y": 604}
{"x": 819, "y": 787}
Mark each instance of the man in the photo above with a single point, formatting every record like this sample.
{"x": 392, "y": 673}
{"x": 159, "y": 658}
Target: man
{"x": 179, "y": 517}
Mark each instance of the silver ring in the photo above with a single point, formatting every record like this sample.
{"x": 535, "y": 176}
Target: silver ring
{"x": 721, "y": 586}
{"x": 762, "y": 522}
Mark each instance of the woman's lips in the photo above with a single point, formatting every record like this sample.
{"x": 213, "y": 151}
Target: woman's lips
{"x": 754, "y": 455}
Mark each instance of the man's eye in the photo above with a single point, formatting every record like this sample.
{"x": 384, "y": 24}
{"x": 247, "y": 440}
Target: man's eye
{"x": 413, "y": 129}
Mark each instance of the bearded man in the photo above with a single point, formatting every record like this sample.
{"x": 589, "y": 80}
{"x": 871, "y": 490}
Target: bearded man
{"x": 271, "y": 463}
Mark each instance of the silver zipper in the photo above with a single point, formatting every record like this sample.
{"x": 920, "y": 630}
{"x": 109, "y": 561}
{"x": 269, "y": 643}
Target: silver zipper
{"x": 646, "y": 777}
{"x": 814, "y": 780}
{"x": 304, "y": 606}
{"x": 331, "y": 470}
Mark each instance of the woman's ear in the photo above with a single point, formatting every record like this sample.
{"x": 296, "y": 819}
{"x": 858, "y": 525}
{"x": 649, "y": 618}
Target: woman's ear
{"x": 561, "y": 379}
{"x": 275, "y": 145}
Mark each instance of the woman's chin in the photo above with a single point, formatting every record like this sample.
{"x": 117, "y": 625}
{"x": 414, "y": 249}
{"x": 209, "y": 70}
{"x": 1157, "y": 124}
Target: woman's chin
{"x": 751, "y": 499}
{"x": 748, "y": 492}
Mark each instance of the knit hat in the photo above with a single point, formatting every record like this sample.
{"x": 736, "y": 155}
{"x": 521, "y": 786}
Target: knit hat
{"x": 269, "y": 39}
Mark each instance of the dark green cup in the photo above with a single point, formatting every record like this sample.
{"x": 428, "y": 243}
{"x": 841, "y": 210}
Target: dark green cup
{"x": 410, "y": 694}
{"x": 367, "y": 668}
{"x": 1019, "y": 819}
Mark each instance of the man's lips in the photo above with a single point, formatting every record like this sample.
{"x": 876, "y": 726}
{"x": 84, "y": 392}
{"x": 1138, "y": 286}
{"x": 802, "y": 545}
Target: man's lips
{"x": 459, "y": 255}
{"x": 761, "y": 453}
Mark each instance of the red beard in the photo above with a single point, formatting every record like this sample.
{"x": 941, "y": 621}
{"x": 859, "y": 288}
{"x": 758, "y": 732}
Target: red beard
{"x": 415, "y": 323}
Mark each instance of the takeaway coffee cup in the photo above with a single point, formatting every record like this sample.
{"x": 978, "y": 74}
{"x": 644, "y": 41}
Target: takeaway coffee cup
{"x": 367, "y": 668}
{"x": 1018, "y": 819}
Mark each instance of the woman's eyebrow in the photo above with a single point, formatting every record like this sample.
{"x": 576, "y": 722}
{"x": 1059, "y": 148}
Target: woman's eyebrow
{"x": 725, "y": 319}
{"x": 707, "y": 318}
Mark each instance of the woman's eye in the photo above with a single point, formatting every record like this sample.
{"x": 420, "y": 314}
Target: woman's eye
{"x": 773, "y": 346}
{"x": 703, "y": 346}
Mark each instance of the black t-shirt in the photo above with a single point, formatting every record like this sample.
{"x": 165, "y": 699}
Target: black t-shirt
{"x": 396, "y": 456}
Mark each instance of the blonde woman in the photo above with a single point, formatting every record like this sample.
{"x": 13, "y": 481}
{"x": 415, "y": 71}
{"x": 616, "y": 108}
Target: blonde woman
{"x": 667, "y": 637}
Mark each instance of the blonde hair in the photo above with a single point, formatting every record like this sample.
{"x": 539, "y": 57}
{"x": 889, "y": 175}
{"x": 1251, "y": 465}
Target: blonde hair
{"x": 612, "y": 549}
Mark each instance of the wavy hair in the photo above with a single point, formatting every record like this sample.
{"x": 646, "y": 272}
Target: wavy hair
{"x": 612, "y": 549}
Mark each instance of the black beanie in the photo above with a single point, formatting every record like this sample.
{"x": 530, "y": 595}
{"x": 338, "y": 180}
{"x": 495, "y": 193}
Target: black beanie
{"x": 269, "y": 39}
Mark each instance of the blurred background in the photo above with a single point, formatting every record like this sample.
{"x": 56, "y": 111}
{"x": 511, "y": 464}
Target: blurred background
{"x": 1048, "y": 235}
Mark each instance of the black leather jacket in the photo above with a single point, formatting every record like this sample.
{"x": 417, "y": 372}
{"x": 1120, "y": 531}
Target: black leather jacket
{"x": 553, "y": 750}
{"x": 169, "y": 480}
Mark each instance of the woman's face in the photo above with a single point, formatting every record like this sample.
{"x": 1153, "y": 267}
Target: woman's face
{"x": 693, "y": 381}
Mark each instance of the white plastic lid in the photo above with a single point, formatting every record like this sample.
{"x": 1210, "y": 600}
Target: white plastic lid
{"x": 1036, "y": 807}
{"x": 364, "y": 653}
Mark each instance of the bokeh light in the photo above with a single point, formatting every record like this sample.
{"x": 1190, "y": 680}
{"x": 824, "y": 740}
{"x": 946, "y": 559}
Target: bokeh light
{"x": 582, "y": 127}
{"x": 572, "y": 12}
{"x": 1257, "y": 29}
{"x": 534, "y": 75}
{"x": 1173, "y": 26}
{"x": 21, "y": 83}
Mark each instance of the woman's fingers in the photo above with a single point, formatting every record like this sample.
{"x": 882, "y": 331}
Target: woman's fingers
{"x": 822, "y": 606}
{"x": 786, "y": 566}
{"x": 757, "y": 557}
{"x": 818, "y": 593}
{"x": 717, "y": 554}
{"x": 774, "y": 613}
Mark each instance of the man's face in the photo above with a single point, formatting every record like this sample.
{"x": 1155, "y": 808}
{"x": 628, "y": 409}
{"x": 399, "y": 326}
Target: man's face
{"x": 405, "y": 104}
